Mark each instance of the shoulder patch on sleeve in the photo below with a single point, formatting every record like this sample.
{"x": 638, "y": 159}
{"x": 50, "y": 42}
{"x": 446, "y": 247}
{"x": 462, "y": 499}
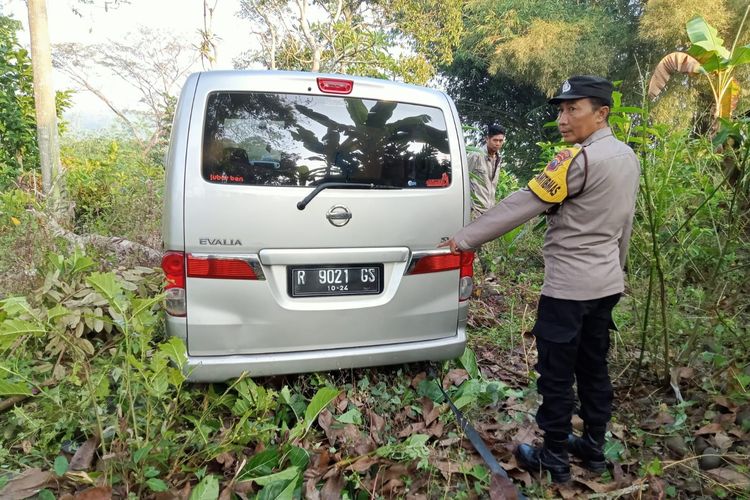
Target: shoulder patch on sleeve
{"x": 551, "y": 184}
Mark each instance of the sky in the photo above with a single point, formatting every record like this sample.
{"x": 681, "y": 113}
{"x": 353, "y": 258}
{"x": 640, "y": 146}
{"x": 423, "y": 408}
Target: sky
{"x": 181, "y": 17}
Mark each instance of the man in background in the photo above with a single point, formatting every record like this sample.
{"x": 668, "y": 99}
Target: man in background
{"x": 484, "y": 171}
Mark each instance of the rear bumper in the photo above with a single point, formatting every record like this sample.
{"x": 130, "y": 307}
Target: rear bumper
{"x": 221, "y": 368}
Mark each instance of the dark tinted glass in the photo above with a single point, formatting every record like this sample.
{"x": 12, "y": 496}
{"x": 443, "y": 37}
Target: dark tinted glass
{"x": 302, "y": 140}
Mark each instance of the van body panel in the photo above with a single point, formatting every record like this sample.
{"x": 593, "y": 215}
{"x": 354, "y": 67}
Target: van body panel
{"x": 173, "y": 235}
{"x": 221, "y": 368}
{"x": 224, "y": 322}
{"x": 238, "y": 322}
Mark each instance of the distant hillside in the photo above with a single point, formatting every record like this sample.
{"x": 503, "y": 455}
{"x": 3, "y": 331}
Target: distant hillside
{"x": 82, "y": 123}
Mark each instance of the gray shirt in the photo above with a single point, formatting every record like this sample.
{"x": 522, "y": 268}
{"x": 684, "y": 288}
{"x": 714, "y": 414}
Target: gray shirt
{"x": 586, "y": 242}
{"x": 485, "y": 172}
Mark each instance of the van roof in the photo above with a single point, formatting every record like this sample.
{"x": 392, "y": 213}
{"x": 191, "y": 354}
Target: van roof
{"x": 233, "y": 80}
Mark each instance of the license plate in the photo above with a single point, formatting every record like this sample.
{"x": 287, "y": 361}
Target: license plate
{"x": 320, "y": 281}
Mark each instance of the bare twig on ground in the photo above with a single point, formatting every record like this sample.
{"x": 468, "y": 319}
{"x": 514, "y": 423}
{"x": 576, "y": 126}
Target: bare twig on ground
{"x": 619, "y": 493}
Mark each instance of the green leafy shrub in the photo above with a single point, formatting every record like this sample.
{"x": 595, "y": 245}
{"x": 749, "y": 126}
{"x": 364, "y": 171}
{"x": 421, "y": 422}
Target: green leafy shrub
{"x": 23, "y": 242}
{"x": 114, "y": 191}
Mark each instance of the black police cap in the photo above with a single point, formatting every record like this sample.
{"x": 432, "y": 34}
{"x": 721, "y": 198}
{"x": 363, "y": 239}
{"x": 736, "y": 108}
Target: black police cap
{"x": 578, "y": 87}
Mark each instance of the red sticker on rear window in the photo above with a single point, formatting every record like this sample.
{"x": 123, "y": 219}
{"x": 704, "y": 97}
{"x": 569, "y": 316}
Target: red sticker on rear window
{"x": 226, "y": 178}
{"x": 442, "y": 182}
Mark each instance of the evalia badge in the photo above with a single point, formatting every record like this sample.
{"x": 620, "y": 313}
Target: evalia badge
{"x": 228, "y": 242}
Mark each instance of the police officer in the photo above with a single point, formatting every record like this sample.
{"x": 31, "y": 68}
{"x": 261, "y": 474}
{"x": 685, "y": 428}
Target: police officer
{"x": 588, "y": 192}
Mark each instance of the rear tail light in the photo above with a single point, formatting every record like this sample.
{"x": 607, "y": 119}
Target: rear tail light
{"x": 212, "y": 267}
{"x": 177, "y": 268}
{"x": 464, "y": 262}
{"x": 173, "y": 265}
{"x": 466, "y": 283}
{"x": 467, "y": 264}
{"x": 335, "y": 86}
{"x": 445, "y": 262}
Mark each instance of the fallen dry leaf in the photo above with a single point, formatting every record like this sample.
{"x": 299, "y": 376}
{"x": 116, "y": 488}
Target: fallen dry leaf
{"x": 523, "y": 435}
{"x": 455, "y": 377}
{"x": 596, "y": 486}
{"x": 657, "y": 487}
{"x": 84, "y": 456}
{"x": 730, "y": 477}
{"x": 226, "y": 493}
{"x": 681, "y": 372}
{"x": 320, "y": 462}
{"x": 449, "y": 441}
{"x": 26, "y": 484}
{"x": 377, "y": 426}
{"x": 502, "y": 488}
{"x": 567, "y": 492}
{"x": 722, "y": 441}
{"x": 662, "y": 418}
{"x": 226, "y": 459}
{"x": 711, "y": 428}
{"x": 414, "y": 428}
{"x": 363, "y": 464}
{"x": 392, "y": 487}
{"x": 617, "y": 430}
{"x": 617, "y": 473}
{"x": 418, "y": 378}
{"x": 437, "y": 429}
{"x": 395, "y": 471}
{"x": 311, "y": 491}
{"x": 27, "y": 446}
{"x": 430, "y": 412}
{"x": 173, "y": 494}
{"x": 244, "y": 487}
{"x": 96, "y": 493}
{"x": 325, "y": 419}
{"x": 341, "y": 402}
{"x": 725, "y": 403}
{"x": 333, "y": 487}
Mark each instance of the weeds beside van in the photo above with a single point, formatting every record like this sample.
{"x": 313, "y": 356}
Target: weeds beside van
{"x": 301, "y": 220}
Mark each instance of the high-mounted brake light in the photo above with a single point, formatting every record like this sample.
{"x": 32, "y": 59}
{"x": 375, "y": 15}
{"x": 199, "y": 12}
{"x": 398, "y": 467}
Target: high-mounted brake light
{"x": 335, "y": 86}
{"x": 204, "y": 267}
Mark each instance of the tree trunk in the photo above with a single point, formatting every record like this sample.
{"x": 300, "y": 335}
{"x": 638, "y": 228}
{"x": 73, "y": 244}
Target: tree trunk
{"x": 44, "y": 100}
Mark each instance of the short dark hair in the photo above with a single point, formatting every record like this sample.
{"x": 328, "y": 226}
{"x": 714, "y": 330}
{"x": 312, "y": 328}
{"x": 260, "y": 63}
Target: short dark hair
{"x": 493, "y": 130}
{"x": 598, "y": 102}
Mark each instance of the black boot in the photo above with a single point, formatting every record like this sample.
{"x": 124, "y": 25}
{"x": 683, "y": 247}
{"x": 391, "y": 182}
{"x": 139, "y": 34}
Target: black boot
{"x": 552, "y": 457}
{"x": 589, "y": 448}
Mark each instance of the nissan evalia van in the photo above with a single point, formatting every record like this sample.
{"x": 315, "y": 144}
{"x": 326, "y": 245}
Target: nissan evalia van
{"x": 302, "y": 214}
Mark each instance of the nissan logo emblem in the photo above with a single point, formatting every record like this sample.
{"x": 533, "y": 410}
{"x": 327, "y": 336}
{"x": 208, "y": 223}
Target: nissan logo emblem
{"x": 339, "y": 215}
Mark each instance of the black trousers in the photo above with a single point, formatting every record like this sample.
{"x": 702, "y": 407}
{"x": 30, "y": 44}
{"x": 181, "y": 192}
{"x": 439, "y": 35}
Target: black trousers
{"x": 572, "y": 340}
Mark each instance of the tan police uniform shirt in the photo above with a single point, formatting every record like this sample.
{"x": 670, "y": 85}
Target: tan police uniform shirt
{"x": 484, "y": 173}
{"x": 586, "y": 242}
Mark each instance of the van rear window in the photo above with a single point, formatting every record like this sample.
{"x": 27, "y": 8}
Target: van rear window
{"x": 268, "y": 139}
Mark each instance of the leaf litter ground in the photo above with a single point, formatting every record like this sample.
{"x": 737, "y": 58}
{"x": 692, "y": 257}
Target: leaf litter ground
{"x": 388, "y": 434}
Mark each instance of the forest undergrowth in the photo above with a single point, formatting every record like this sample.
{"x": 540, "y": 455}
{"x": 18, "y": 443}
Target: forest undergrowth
{"x": 93, "y": 402}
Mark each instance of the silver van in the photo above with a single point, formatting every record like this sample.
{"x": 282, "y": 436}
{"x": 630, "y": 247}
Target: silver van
{"x": 301, "y": 218}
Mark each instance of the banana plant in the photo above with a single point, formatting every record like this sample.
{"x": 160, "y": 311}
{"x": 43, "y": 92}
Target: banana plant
{"x": 709, "y": 57}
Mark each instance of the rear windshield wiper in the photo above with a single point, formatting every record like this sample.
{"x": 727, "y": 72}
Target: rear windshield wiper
{"x": 340, "y": 185}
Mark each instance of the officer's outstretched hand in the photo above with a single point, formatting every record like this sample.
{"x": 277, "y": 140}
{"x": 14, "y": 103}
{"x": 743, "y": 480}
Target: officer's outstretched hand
{"x": 452, "y": 244}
